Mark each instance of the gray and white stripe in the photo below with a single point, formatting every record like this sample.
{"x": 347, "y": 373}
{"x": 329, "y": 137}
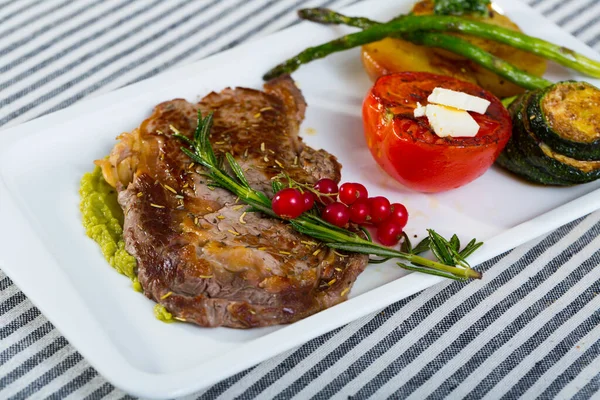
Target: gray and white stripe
{"x": 530, "y": 329}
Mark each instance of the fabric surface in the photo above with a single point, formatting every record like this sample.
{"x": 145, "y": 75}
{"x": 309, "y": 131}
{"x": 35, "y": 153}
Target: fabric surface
{"x": 531, "y": 329}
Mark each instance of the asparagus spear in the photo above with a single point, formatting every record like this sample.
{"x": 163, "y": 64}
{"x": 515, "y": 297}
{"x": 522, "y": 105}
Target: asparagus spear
{"x": 326, "y": 16}
{"x": 410, "y": 23}
{"x": 542, "y": 48}
{"x": 431, "y": 39}
{"x": 450, "y": 43}
{"x": 481, "y": 57}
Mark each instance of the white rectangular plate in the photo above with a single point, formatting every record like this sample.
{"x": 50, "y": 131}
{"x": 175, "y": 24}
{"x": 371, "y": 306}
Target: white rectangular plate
{"x": 43, "y": 247}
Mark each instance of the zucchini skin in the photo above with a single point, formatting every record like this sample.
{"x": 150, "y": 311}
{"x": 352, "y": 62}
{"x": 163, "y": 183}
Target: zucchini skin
{"x": 516, "y": 161}
{"x": 542, "y": 126}
{"x": 513, "y": 160}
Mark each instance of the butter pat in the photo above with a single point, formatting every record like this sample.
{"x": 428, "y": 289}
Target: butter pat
{"x": 450, "y": 122}
{"x": 459, "y": 100}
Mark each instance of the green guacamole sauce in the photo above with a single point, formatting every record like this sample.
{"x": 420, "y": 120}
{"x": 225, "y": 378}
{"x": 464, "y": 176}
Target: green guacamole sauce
{"x": 103, "y": 222}
{"x": 161, "y": 313}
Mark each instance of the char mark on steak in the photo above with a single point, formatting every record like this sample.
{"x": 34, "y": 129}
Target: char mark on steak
{"x": 199, "y": 254}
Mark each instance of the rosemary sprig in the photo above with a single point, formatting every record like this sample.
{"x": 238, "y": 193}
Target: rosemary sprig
{"x": 451, "y": 262}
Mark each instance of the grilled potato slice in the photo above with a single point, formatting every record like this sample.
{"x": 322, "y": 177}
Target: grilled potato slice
{"x": 395, "y": 55}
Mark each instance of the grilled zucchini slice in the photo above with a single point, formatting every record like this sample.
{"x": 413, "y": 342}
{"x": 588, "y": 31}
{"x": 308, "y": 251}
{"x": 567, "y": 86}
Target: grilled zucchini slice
{"x": 540, "y": 154}
{"x": 529, "y": 156}
{"x": 566, "y": 116}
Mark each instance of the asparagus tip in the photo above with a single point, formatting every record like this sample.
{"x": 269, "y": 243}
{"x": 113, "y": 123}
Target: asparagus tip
{"x": 270, "y": 74}
{"x": 318, "y": 14}
{"x": 303, "y": 13}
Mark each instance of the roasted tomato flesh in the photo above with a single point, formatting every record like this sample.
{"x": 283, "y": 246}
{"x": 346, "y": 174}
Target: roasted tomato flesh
{"x": 408, "y": 149}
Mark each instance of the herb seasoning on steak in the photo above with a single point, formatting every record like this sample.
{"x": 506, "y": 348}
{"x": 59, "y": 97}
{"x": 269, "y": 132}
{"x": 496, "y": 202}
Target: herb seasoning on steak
{"x": 199, "y": 254}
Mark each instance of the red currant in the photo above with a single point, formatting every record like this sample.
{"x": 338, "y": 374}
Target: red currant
{"x": 350, "y": 192}
{"x": 380, "y": 209}
{"x": 360, "y": 211}
{"x": 288, "y": 203}
{"x": 389, "y": 233}
{"x": 326, "y": 186}
{"x": 337, "y": 214}
{"x": 309, "y": 200}
{"x": 399, "y": 214}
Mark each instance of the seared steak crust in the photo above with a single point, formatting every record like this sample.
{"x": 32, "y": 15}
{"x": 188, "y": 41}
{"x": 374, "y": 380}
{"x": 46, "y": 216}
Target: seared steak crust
{"x": 199, "y": 254}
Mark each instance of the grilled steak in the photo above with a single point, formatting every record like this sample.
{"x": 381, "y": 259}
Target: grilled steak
{"x": 199, "y": 254}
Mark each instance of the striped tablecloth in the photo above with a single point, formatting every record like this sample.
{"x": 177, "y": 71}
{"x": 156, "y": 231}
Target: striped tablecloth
{"x": 531, "y": 329}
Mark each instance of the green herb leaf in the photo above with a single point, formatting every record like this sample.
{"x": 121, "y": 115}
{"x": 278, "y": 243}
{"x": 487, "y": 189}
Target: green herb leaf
{"x": 199, "y": 125}
{"x": 194, "y": 156}
{"x": 262, "y": 198}
{"x": 315, "y": 233}
{"x": 379, "y": 261}
{"x": 318, "y": 220}
{"x": 440, "y": 248}
{"x": 423, "y": 246}
{"x": 184, "y": 139}
{"x": 430, "y": 271}
{"x": 455, "y": 243}
{"x": 470, "y": 248}
{"x": 365, "y": 249}
{"x": 366, "y": 232}
{"x": 202, "y": 138}
{"x": 237, "y": 170}
{"x": 406, "y": 245}
{"x": 276, "y": 185}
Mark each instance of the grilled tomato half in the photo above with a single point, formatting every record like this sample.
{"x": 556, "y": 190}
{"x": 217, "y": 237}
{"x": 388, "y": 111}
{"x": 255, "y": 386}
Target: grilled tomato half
{"x": 408, "y": 148}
